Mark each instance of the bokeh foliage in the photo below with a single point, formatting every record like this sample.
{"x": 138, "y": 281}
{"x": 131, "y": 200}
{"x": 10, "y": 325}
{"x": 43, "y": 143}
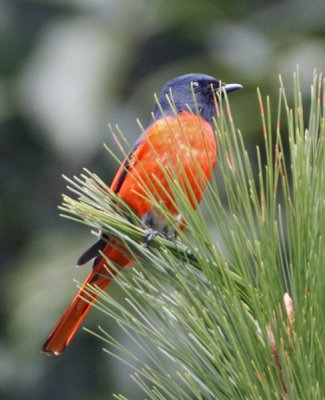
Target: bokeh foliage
{"x": 66, "y": 69}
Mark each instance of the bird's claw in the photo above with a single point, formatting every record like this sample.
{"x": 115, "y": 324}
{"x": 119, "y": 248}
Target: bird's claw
{"x": 150, "y": 233}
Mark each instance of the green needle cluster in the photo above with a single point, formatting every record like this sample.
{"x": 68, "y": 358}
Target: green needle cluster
{"x": 235, "y": 307}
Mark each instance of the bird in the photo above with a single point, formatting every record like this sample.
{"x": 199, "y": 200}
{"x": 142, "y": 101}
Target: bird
{"x": 180, "y": 139}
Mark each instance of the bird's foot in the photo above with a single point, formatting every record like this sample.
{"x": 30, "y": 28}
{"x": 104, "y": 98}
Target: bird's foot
{"x": 150, "y": 234}
{"x": 169, "y": 234}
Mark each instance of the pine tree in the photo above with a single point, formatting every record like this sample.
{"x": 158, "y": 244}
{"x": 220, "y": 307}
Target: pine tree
{"x": 241, "y": 316}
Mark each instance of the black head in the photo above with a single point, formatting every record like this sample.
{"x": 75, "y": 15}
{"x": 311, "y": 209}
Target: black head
{"x": 181, "y": 90}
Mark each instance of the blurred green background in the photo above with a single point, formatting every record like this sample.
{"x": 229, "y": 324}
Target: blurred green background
{"x": 67, "y": 68}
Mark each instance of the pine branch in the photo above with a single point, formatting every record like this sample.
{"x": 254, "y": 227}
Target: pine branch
{"x": 242, "y": 317}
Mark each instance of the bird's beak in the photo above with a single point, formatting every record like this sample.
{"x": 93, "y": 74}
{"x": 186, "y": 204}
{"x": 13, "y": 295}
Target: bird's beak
{"x": 231, "y": 87}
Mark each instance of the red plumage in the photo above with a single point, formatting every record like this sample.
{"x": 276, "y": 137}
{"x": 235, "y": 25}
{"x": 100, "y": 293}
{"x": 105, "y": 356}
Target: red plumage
{"x": 182, "y": 146}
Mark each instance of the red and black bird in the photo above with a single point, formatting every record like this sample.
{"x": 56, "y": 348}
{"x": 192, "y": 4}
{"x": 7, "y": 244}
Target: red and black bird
{"x": 181, "y": 135}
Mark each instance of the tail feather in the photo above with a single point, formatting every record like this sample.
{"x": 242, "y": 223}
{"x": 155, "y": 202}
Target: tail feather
{"x": 72, "y": 318}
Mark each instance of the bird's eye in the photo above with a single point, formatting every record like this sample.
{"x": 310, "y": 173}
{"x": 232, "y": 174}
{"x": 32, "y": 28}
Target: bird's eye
{"x": 195, "y": 85}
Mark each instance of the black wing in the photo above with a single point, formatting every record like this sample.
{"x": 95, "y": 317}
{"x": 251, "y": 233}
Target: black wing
{"x": 93, "y": 251}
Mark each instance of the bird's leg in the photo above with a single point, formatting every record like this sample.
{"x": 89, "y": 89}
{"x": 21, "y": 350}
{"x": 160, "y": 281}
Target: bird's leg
{"x": 150, "y": 233}
{"x": 158, "y": 225}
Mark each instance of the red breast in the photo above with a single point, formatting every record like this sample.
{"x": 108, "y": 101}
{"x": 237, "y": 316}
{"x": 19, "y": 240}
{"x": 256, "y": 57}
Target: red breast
{"x": 184, "y": 145}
